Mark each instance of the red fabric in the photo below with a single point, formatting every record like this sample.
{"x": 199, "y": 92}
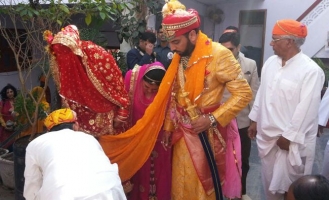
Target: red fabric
{"x": 89, "y": 80}
{"x": 75, "y": 84}
{"x": 6, "y": 110}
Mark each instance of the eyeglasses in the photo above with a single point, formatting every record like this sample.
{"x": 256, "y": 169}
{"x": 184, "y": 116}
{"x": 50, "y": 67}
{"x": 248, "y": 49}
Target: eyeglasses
{"x": 278, "y": 39}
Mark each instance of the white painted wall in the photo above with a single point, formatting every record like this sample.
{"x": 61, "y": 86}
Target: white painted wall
{"x": 251, "y": 37}
{"x": 276, "y": 9}
{"x": 32, "y": 81}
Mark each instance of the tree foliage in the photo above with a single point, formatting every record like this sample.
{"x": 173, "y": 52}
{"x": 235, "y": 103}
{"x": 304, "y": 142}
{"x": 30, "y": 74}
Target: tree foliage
{"x": 133, "y": 20}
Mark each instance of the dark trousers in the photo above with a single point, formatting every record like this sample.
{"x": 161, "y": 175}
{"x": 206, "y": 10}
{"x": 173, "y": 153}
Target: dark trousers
{"x": 245, "y": 153}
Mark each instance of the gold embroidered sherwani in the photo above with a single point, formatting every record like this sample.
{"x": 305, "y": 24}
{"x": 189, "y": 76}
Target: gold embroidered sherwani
{"x": 210, "y": 69}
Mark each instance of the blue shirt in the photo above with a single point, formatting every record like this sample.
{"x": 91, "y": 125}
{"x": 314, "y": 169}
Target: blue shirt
{"x": 163, "y": 55}
{"x": 137, "y": 56}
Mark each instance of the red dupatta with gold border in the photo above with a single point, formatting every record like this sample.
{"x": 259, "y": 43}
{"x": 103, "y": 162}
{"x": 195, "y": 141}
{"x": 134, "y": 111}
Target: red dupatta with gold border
{"x": 89, "y": 80}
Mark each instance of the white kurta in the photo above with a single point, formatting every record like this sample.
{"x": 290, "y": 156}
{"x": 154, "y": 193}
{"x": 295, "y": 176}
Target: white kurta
{"x": 67, "y": 165}
{"x": 286, "y": 105}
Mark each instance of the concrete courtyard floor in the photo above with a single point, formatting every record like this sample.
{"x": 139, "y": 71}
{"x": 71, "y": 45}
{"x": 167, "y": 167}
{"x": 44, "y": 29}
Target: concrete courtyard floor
{"x": 254, "y": 185}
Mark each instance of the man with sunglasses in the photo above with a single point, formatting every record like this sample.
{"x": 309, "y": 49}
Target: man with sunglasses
{"x": 285, "y": 110}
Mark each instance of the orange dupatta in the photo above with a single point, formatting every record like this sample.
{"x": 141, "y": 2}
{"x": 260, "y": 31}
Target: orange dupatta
{"x": 131, "y": 149}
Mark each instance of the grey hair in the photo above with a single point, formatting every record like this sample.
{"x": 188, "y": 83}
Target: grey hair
{"x": 298, "y": 41}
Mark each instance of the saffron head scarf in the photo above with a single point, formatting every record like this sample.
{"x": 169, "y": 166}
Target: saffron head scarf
{"x": 290, "y": 27}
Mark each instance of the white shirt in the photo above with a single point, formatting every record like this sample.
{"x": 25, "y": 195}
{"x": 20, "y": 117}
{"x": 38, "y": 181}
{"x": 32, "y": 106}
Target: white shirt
{"x": 67, "y": 164}
{"x": 287, "y": 101}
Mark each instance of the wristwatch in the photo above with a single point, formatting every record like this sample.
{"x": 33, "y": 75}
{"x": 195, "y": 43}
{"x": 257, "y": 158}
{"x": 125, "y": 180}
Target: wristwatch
{"x": 213, "y": 121}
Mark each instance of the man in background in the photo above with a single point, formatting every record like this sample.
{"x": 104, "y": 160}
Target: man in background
{"x": 231, "y": 40}
{"x": 285, "y": 111}
{"x": 163, "y": 53}
{"x": 67, "y": 164}
{"x": 143, "y": 53}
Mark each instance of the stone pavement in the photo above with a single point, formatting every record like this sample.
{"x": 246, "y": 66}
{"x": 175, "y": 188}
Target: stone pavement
{"x": 254, "y": 184}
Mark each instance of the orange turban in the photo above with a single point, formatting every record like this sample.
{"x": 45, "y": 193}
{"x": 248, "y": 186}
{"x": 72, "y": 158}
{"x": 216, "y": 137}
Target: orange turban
{"x": 290, "y": 27}
{"x": 177, "y": 20}
{"x": 60, "y": 116}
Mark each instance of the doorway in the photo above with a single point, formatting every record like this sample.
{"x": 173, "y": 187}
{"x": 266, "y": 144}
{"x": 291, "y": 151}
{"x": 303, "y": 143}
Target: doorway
{"x": 252, "y": 25}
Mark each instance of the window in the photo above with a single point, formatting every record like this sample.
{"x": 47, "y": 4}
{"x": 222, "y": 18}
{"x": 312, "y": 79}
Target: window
{"x": 7, "y": 57}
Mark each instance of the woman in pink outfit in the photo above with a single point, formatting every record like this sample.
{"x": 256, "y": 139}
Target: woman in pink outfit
{"x": 153, "y": 180}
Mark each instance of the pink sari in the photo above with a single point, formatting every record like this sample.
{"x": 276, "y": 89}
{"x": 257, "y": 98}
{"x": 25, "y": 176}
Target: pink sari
{"x": 153, "y": 180}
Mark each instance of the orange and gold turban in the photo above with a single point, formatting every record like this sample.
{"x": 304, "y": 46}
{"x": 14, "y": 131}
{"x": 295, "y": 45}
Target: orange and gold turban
{"x": 64, "y": 115}
{"x": 177, "y": 20}
{"x": 290, "y": 27}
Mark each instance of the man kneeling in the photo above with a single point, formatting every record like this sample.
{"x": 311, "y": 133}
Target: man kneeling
{"x": 67, "y": 164}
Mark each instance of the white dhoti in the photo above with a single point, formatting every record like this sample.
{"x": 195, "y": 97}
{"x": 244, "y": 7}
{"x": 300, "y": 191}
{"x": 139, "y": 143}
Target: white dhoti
{"x": 280, "y": 168}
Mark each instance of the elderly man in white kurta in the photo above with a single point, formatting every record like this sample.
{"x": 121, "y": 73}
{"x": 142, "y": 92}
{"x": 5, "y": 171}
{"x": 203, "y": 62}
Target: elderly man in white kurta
{"x": 285, "y": 110}
{"x": 66, "y": 164}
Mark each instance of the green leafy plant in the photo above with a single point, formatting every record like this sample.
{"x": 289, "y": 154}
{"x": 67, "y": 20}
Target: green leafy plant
{"x": 94, "y": 35}
{"x": 120, "y": 59}
{"x": 132, "y": 21}
{"x": 25, "y": 107}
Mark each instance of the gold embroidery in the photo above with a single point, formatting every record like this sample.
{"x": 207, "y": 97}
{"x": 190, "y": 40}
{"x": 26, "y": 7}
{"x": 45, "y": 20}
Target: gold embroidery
{"x": 109, "y": 78}
{"x": 91, "y": 122}
{"x": 170, "y": 29}
{"x": 99, "y": 120}
{"x": 97, "y": 83}
{"x": 69, "y": 42}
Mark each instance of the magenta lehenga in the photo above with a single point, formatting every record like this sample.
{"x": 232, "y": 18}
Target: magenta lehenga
{"x": 153, "y": 180}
